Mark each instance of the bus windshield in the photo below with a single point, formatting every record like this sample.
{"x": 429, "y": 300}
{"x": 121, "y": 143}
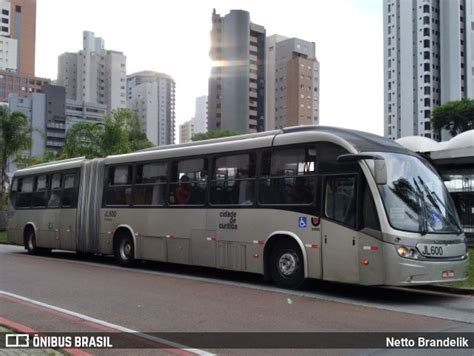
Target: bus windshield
{"x": 415, "y": 198}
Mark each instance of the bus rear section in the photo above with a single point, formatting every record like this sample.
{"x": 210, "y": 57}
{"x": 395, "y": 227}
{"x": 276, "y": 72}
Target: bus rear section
{"x": 43, "y": 206}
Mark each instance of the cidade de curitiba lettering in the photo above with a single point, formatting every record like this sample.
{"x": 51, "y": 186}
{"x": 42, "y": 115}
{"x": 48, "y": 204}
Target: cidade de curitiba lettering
{"x": 230, "y": 220}
{"x": 426, "y": 342}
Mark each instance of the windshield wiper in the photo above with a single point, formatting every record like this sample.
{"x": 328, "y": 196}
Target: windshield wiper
{"x": 423, "y": 226}
{"x": 450, "y": 213}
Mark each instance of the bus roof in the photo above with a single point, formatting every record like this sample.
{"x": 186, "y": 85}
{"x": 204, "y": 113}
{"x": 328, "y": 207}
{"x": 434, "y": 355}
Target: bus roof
{"x": 51, "y": 166}
{"x": 353, "y": 140}
{"x": 359, "y": 140}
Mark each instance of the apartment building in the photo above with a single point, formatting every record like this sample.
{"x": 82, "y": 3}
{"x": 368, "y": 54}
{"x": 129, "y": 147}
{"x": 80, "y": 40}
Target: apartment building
{"x": 236, "y": 99}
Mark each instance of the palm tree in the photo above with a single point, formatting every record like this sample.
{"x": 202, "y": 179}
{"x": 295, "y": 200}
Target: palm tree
{"x": 15, "y": 137}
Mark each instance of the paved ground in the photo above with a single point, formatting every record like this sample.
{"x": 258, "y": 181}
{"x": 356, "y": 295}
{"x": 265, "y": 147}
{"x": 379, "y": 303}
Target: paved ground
{"x": 167, "y": 298}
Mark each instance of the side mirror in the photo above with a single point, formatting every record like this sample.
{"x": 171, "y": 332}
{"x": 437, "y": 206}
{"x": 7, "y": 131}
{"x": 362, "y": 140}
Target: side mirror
{"x": 378, "y": 169}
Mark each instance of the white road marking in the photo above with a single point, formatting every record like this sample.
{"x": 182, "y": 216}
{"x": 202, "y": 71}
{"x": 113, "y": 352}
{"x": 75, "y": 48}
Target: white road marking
{"x": 109, "y": 325}
{"x": 413, "y": 309}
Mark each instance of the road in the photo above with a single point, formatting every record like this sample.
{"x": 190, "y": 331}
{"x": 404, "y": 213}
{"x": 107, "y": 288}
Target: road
{"x": 64, "y": 292}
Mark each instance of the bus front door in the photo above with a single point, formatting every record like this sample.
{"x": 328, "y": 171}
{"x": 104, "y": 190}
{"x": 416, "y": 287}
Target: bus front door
{"x": 339, "y": 245}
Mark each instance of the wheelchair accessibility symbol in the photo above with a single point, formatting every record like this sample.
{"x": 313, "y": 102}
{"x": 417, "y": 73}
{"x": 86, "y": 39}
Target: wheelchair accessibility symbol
{"x": 302, "y": 222}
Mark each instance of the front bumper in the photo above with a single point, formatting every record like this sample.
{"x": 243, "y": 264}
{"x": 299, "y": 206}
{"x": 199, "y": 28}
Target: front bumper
{"x": 403, "y": 271}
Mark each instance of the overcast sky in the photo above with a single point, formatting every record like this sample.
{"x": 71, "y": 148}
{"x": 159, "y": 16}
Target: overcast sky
{"x": 173, "y": 37}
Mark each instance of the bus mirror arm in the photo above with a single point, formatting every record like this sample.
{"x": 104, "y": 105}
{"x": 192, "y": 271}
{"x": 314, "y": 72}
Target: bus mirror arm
{"x": 380, "y": 170}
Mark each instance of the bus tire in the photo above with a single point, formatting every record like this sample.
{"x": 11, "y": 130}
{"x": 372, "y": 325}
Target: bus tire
{"x": 287, "y": 265}
{"x": 124, "y": 251}
{"x": 30, "y": 243}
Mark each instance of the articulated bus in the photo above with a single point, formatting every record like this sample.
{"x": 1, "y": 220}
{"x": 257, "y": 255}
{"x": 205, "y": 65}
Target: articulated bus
{"x": 290, "y": 204}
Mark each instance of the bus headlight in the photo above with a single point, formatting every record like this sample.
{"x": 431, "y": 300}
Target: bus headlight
{"x": 408, "y": 252}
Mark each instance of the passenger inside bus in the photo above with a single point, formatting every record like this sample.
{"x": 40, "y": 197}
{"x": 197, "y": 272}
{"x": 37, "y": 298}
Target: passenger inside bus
{"x": 183, "y": 193}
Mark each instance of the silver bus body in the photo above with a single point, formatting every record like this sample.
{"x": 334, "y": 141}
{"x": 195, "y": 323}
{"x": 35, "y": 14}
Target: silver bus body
{"x": 343, "y": 234}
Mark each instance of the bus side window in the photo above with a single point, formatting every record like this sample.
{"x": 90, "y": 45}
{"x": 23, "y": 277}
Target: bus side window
{"x": 55, "y": 196}
{"x": 340, "y": 199}
{"x": 188, "y": 182}
{"x": 119, "y": 189}
{"x": 233, "y": 180}
{"x": 13, "y": 191}
{"x": 69, "y": 190}
{"x": 150, "y": 184}
{"x": 41, "y": 191}
{"x": 25, "y": 191}
{"x": 288, "y": 176}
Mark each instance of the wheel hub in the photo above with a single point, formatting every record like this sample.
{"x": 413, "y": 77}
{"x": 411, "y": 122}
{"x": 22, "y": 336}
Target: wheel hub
{"x": 288, "y": 264}
{"x": 126, "y": 250}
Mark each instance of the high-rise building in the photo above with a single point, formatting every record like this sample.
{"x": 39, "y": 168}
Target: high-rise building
{"x": 197, "y": 124}
{"x": 200, "y": 115}
{"x": 428, "y": 60}
{"x": 236, "y": 98}
{"x": 17, "y": 49}
{"x": 82, "y": 111}
{"x": 292, "y": 83}
{"x": 152, "y": 96}
{"x": 55, "y": 116}
{"x": 8, "y": 45}
{"x": 34, "y": 108}
{"x": 18, "y": 36}
{"x": 51, "y": 115}
{"x": 94, "y": 74}
{"x": 186, "y": 131}
{"x": 19, "y": 84}
{"x": 46, "y": 113}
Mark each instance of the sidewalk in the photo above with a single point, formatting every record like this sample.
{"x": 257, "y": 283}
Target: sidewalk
{"x": 24, "y": 352}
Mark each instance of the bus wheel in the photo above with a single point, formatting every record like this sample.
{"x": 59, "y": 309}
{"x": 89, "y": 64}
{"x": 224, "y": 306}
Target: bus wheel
{"x": 124, "y": 250}
{"x": 30, "y": 243}
{"x": 287, "y": 268}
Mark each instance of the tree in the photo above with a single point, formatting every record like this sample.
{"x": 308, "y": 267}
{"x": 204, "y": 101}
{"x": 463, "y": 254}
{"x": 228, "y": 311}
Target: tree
{"x": 15, "y": 137}
{"x": 454, "y": 116}
{"x": 120, "y": 133}
{"x": 123, "y": 133}
{"x": 214, "y": 134}
{"x": 83, "y": 139}
{"x": 26, "y": 161}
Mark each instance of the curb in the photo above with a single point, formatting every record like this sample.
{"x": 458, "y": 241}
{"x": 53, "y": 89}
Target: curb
{"x": 450, "y": 290}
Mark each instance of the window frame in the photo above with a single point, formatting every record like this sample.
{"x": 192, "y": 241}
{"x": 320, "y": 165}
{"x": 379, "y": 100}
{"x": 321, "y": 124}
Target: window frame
{"x": 75, "y": 188}
{"x": 135, "y": 184}
{"x": 168, "y": 162}
{"x": 60, "y": 190}
{"x": 75, "y": 171}
{"x": 20, "y": 193}
{"x": 313, "y": 175}
{"x": 356, "y": 175}
{"x": 108, "y": 187}
{"x": 207, "y": 160}
{"x": 37, "y": 192}
{"x": 212, "y": 164}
